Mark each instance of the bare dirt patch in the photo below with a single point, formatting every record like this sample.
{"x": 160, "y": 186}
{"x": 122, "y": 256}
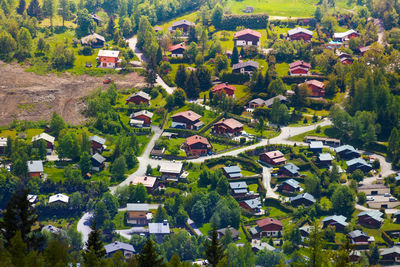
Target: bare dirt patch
{"x": 28, "y": 96}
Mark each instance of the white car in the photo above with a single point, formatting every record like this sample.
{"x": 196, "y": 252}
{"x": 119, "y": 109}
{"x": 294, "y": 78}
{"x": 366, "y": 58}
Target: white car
{"x": 370, "y": 198}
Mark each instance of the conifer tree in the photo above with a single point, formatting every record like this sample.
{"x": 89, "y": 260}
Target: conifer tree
{"x": 149, "y": 256}
{"x": 181, "y": 76}
{"x": 214, "y": 250}
{"x": 21, "y": 7}
{"x": 192, "y": 86}
{"x": 235, "y": 56}
{"x": 94, "y": 251}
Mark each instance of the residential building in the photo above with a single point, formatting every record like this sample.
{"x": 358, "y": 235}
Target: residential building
{"x": 325, "y": 158}
{"x": 228, "y": 126}
{"x": 3, "y": 145}
{"x": 51, "y": 229}
{"x": 224, "y": 88}
{"x": 247, "y": 37}
{"x": 256, "y": 103}
{"x": 159, "y": 230}
{"x": 232, "y": 172}
{"x": 300, "y": 34}
{"x": 98, "y": 162}
{"x": 305, "y": 199}
{"x": 59, "y": 198}
{"x": 283, "y": 99}
{"x": 299, "y": 68}
{"x": 96, "y": 19}
{"x": 183, "y": 25}
{"x": 355, "y": 255}
{"x": 273, "y": 158}
{"x": 108, "y": 59}
{"x": 245, "y": 67}
{"x": 253, "y": 205}
{"x": 257, "y": 246}
{"x": 171, "y": 170}
{"x": 358, "y": 164}
{"x": 305, "y": 231}
{"x": 148, "y": 181}
{"x": 139, "y": 98}
{"x": 97, "y": 143}
{"x": 289, "y": 170}
{"x": 346, "y": 60}
{"x": 137, "y": 213}
{"x": 234, "y": 233}
{"x": 143, "y": 115}
{"x": 397, "y": 216}
{"x": 347, "y": 152}
{"x": 32, "y": 198}
{"x": 158, "y": 29}
{"x": 177, "y": 50}
{"x": 197, "y": 145}
{"x": 187, "y": 120}
{"x": 94, "y": 40}
{"x": 47, "y": 138}
{"x": 338, "y": 221}
{"x": 35, "y": 168}
{"x": 364, "y": 49}
{"x": 316, "y": 146}
{"x": 372, "y": 218}
{"x": 316, "y": 87}
{"x": 390, "y": 255}
{"x": 359, "y": 237}
{"x": 269, "y": 227}
{"x": 239, "y": 190}
{"x": 345, "y": 36}
{"x": 126, "y": 249}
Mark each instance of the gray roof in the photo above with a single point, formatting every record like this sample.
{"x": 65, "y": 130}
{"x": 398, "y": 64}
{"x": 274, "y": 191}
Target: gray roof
{"x": 110, "y": 248}
{"x": 240, "y": 191}
{"x": 245, "y": 64}
{"x": 45, "y": 137}
{"x": 254, "y": 230}
{"x": 182, "y": 22}
{"x": 344, "y": 34}
{"x": 137, "y": 207}
{"x": 270, "y": 101}
{"x": 291, "y": 168}
{"x": 263, "y": 245}
{"x": 345, "y": 147}
{"x": 159, "y": 228}
{"x": 257, "y": 101}
{"x": 394, "y": 249}
{"x": 142, "y": 94}
{"x": 374, "y": 214}
{"x": 143, "y": 112}
{"x": 97, "y": 139}
{"x": 232, "y": 169}
{"x": 254, "y": 203}
{"x": 235, "y": 233}
{"x": 299, "y": 30}
{"x": 397, "y": 178}
{"x": 357, "y": 161}
{"x": 99, "y": 158}
{"x": 397, "y": 213}
{"x": 238, "y": 185}
{"x": 357, "y": 233}
{"x": 340, "y": 219}
{"x": 292, "y": 182}
{"x": 35, "y": 166}
{"x": 52, "y": 229}
{"x": 325, "y": 157}
{"x": 316, "y": 144}
{"x": 305, "y": 196}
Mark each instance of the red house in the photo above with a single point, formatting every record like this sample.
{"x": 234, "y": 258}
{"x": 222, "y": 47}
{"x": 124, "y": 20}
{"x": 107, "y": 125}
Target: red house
{"x": 269, "y": 227}
{"x": 317, "y": 88}
{"x": 97, "y": 143}
{"x": 44, "y": 136}
{"x": 187, "y": 120}
{"x": 228, "y": 126}
{"x": 299, "y": 68}
{"x": 143, "y": 115}
{"x": 345, "y": 36}
{"x": 35, "y": 168}
{"x": 177, "y": 50}
{"x": 197, "y": 145}
{"x": 273, "y": 157}
{"x": 247, "y": 37}
{"x": 346, "y": 60}
{"x": 139, "y": 98}
{"x": 300, "y": 34}
{"x": 229, "y": 90}
{"x": 108, "y": 59}
{"x": 300, "y": 63}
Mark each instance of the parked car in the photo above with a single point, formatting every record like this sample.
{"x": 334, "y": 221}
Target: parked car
{"x": 388, "y": 195}
{"x": 370, "y": 198}
{"x": 108, "y": 80}
{"x": 392, "y": 199}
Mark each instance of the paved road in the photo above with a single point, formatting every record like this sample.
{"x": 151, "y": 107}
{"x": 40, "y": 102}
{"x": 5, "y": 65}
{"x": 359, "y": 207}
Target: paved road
{"x": 132, "y": 44}
{"x": 84, "y": 226}
{"x": 267, "y": 183}
{"x": 381, "y": 31}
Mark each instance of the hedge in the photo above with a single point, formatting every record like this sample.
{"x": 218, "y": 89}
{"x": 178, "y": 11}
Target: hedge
{"x": 235, "y": 78}
{"x": 246, "y": 233}
{"x": 181, "y": 132}
{"x": 277, "y": 204}
{"x": 221, "y": 140}
{"x": 208, "y": 126}
{"x": 253, "y": 21}
{"x": 247, "y": 164}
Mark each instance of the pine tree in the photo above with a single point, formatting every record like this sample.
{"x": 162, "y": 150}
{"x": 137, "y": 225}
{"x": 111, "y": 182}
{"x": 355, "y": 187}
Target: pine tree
{"x": 94, "y": 246}
{"x": 111, "y": 26}
{"x": 64, "y": 11}
{"x": 242, "y": 54}
{"x": 149, "y": 257}
{"x": 85, "y": 163}
{"x": 181, "y": 76}
{"x": 214, "y": 251}
{"x": 159, "y": 55}
{"x": 235, "y": 56}
{"x": 21, "y": 7}
{"x": 203, "y": 75}
{"x": 192, "y": 86}
{"x": 49, "y": 9}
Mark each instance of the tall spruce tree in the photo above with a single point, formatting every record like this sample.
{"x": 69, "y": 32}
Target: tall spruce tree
{"x": 149, "y": 256}
{"x": 214, "y": 250}
{"x": 235, "y": 56}
{"x": 21, "y": 7}
{"x": 34, "y": 9}
{"x": 204, "y": 77}
{"x": 94, "y": 247}
{"x": 192, "y": 86}
{"x": 181, "y": 76}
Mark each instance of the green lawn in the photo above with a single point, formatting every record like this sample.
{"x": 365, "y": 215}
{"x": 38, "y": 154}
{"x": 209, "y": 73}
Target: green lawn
{"x": 205, "y": 228}
{"x": 326, "y": 131}
{"x": 120, "y": 222}
{"x": 253, "y": 187}
{"x": 54, "y": 174}
{"x": 282, "y": 69}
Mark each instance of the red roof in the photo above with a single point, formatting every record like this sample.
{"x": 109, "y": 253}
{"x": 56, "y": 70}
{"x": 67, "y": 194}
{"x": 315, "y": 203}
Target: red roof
{"x": 274, "y": 154}
{"x": 299, "y": 63}
{"x": 267, "y": 221}
{"x": 316, "y": 83}
{"x": 175, "y": 47}
{"x": 221, "y": 86}
{"x": 293, "y": 70}
{"x": 190, "y": 115}
{"x": 247, "y": 31}
{"x": 231, "y": 123}
{"x": 197, "y": 139}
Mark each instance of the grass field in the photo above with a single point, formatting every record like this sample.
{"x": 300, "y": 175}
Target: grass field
{"x": 326, "y": 131}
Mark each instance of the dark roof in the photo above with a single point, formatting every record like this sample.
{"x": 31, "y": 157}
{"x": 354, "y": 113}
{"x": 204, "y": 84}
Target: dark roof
{"x": 238, "y": 185}
{"x": 235, "y": 233}
{"x": 290, "y": 167}
{"x": 245, "y": 64}
{"x": 303, "y": 196}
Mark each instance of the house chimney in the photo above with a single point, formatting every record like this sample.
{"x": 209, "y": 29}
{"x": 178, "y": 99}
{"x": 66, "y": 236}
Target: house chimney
{"x": 31, "y": 162}
{"x": 145, "y": 178}
{"x": 165, "y": 222}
